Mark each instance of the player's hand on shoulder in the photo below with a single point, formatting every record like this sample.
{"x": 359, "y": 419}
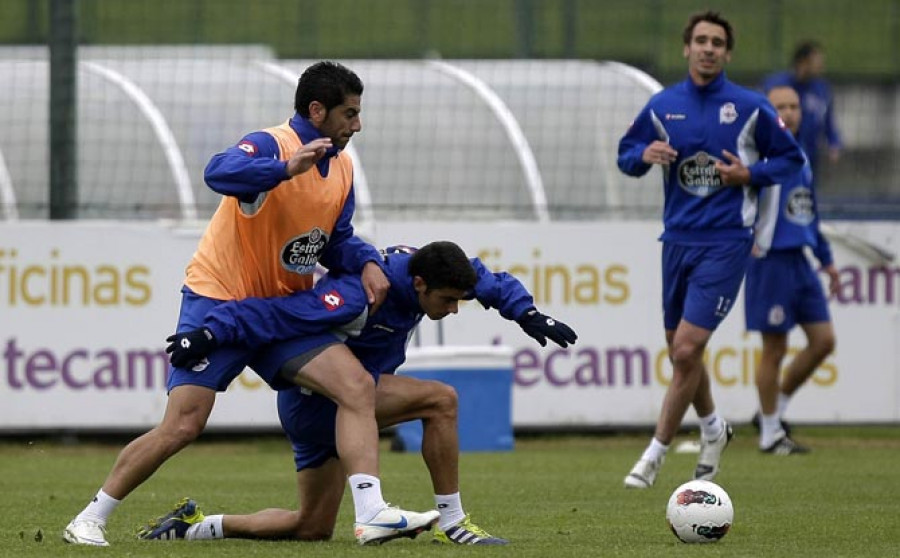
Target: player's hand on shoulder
{"x": 542, "y": 327}
{"x": 376, "y": 285}
{"x": 189, "y": 348}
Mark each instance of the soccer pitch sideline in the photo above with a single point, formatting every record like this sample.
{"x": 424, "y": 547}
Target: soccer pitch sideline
{"x": 552, "y": 496}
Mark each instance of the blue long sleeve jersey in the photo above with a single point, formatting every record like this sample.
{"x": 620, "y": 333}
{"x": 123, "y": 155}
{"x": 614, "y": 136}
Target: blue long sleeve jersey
{"x": 338, "y": 303}
{"x": 817, "y": 107}
{"x": 699, "y": 123}
{"x": 252, "y": 167}
{"x": 789, "y": 217}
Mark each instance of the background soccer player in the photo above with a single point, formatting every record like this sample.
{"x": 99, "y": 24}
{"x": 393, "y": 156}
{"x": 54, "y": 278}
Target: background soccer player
{"x": 817, "y": 126}
{"x": 694, "y": 130}
{"x": 782, "y": 290}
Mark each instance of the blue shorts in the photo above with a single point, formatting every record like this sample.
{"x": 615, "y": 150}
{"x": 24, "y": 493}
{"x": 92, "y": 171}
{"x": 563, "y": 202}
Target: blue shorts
{"x": 701, "y": 283}
{"x": 782, "y": 291}
{"x": 227, "y": 362}
{"x": 308, "y": 420}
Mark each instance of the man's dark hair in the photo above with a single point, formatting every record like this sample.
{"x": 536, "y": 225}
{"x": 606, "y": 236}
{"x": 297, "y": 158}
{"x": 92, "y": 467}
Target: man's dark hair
{"x": 443, "y": 265}
{"x": 804, "y": 50}
{"x": 710, "y": 17}
{"x": 327, "y": 82}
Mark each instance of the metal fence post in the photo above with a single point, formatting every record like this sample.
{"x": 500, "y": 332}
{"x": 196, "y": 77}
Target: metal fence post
{"x": 63, "y": 43}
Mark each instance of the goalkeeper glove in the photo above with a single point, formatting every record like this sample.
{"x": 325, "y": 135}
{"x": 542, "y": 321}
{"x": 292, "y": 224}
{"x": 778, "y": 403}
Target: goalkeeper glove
{"x": 542, "y": 327}
{"x": 190, "y": 347}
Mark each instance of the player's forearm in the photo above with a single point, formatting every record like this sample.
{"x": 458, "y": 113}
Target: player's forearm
{"x": 237, "y": 175}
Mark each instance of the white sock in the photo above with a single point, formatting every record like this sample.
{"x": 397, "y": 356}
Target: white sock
{"x": 367, "y": 498}
{"x": 769, "y": 430}
{"x": 655, "y": 451}
{"x": 100, "y": 508}
{"x": 711, "y": 426}
{"x": 209, "y": 528}
{"x": 783, "y": 401}
{"x": 450, "y": 507}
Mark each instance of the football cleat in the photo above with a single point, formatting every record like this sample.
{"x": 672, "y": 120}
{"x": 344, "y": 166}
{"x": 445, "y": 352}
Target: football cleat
{"x": 82, "y": 531}
{"x": 643, "y": 474}
{"x": 173, "y": 525}
{"x": 466, "y": 532}
{"x": 392, "y": 523}
{"x": 784, "y": 424}
{"x": 711, "y": 453}
{"x": 785, "y": 446}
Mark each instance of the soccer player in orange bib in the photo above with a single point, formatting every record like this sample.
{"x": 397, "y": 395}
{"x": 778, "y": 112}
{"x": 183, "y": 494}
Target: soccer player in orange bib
{"x": 287, "y": 205}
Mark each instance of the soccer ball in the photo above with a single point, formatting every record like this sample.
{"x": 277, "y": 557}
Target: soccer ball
{"x": 699, "y": 512}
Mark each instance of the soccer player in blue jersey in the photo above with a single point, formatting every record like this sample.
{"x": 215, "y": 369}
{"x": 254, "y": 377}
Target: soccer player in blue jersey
{"x": 430, "y": 281}
{"x": 717, "y": 144}
{"x": 782, "y": 290}
{"x": 817, "y": 126}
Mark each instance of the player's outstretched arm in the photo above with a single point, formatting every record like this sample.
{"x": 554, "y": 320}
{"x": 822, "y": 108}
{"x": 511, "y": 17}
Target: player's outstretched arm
{"x": 333, "y": 302}
{"x": 542, "y": 327}
{"x": 506, "y": 293}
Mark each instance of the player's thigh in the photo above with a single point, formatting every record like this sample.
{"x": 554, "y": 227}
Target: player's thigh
{"x": 689, "y": 341}
{"x": 812, "y": 304}
{"x": 675, "y": 272}
{"x": 401, "y": 398}
{"x": 714, "y": 283}
{"x": 221, "y": 366}
{"x": 335, "y": 373}
{"x": 279, "y": 363}
{"x": 820, "y": 335}
{"x": 774, "y": 346}
{"x": 320, "y": 491}
{"x": 188, "y": 408}
{"x": 769, "y": 295}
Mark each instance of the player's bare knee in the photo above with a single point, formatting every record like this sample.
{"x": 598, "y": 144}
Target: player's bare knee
{"x": 182, "y": 430}
{"x": 824, "y": 345}
{"x": 444, "y": 400}
{"x": 357, "y": 391}
{"x": 685, "y": 356}
{"x": 187, "y": 431}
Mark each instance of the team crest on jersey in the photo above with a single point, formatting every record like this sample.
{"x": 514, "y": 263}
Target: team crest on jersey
{"x": 698, "y": 176}
{"x": 332, "y": 300}
{"x": 799, "y": 206}
{"x": 248, "y": 147}
{"x": 301, "y": 253}
{"x": 727, "y": 113}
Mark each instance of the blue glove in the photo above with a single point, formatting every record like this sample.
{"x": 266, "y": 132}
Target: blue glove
{"x": 542, "y": 327}
{"x": 190, "y": 347}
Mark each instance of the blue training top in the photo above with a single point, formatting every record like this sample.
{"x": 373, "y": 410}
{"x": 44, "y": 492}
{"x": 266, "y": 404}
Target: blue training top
{"x": 794, "y": 222}
{"x": 699, "y": 123}
{"x": 338, "y": 302}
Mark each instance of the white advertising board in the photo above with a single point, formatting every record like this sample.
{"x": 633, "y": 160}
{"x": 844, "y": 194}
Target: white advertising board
{"x": 85, "y": 309}
{"x": 603, "y": 279}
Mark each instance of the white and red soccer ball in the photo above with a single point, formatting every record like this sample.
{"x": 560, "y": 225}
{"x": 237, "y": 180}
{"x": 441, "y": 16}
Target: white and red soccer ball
{"x": 699, "y": 512}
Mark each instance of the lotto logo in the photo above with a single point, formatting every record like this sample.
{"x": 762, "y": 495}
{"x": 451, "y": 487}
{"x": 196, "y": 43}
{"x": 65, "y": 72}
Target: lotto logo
{"x": 332, "y": 300}
{"x": 247, "y": 147}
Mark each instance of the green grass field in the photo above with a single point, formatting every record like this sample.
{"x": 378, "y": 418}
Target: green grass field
{"x": 552, "y": 496}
